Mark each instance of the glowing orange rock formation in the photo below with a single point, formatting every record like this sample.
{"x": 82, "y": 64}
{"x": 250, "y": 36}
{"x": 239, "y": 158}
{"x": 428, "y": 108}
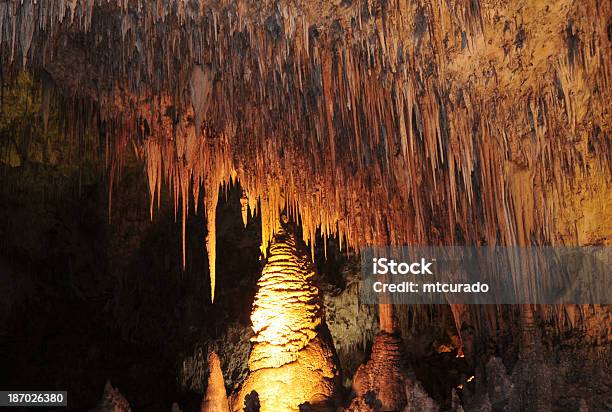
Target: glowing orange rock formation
{"x": 215, "y": 399}
{"x": 292, "y": 362}
{"x": 395, "y": 122}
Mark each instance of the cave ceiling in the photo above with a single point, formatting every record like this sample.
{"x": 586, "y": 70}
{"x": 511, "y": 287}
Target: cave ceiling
{"x": 379, "y": 122}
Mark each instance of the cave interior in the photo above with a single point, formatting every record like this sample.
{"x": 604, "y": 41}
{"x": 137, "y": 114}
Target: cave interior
{"x": 186, "y": 187}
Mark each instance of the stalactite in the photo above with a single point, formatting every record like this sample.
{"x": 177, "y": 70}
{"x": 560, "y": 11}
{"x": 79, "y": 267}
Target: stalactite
{"x": 460, "y": 315}
{"x": 210, "y": 202}
{"x": 529, "y": 338}
{"x": 244, "y": 209}
{"x": 416, "y": 124}
{"x": 385, "y": 318}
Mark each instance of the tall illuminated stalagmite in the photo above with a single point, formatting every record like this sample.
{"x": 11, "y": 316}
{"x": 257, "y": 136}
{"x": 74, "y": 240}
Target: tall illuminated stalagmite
{"x": 293, "y": 361}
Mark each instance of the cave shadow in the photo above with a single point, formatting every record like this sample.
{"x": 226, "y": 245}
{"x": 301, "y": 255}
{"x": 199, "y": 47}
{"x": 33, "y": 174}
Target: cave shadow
{"x": 251, "y": 402}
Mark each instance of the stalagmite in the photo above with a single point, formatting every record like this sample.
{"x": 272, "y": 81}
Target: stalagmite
{"x": 417, "y": 399}
{"x": 292, "y": 361}
{"x": 531, "y": 375}
{"x": 383, "y": 376}
{"x": 215, "y": 399}
{"x": 112, "y": 401}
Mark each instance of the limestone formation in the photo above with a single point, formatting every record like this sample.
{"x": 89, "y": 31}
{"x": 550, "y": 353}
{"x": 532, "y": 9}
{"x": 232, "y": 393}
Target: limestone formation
{"x": 112, "y": 401}
{"x": 417, "y": 399}
{"x": 292, "y": 361}
{"x": 423, "y": 122}
{"x": 479, "y": 122}
{"x": 382, "y": 380}
{"x": 215, "y": 399}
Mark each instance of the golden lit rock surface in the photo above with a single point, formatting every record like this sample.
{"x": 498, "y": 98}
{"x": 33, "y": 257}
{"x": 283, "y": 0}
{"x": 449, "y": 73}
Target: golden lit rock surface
{"x": 292, "y": 361}
{"x": 479, "y": 122}
{"x": 215, "y": 399}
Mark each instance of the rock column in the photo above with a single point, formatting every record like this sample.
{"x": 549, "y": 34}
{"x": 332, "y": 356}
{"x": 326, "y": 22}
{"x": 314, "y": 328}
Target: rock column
{"x": 292, "y": 361}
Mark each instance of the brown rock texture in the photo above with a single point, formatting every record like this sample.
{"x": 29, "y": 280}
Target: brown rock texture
{"x": 484, "y": 122}
{"x": 381, "y": 381}
{"x": 215, "y": 399}
{"x": 417, "y": 399}
{"x": 292, "y": 361}
{"x": 112, "y": 401}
